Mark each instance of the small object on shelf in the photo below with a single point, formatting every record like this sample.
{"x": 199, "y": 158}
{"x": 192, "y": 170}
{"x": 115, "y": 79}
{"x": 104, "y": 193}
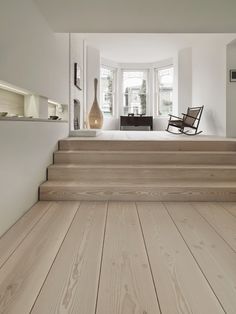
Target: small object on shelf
{"x": 54, "y": 118}
{"x": 12, "y": 115}
{"x": 3, "y": 114}
{"x": 130, "y": 114}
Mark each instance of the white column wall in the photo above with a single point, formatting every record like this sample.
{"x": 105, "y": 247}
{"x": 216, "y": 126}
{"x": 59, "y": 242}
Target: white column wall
{"x": 231, "y": 91}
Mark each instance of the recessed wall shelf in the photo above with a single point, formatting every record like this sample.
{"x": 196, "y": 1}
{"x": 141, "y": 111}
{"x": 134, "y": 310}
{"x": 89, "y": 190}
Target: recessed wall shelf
{"x": 30, "y": 119}
{"x": 20, "y": 105}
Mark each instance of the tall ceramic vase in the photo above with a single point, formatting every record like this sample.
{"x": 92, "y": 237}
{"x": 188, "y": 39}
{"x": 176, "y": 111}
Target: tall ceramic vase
{"x": 95, "y": 115}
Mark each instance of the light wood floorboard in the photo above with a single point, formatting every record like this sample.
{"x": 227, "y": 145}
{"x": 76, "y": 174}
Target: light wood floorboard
{"x": 215, "y": 258}
{"x": 230, "y": 207}
{"x": 176, "y": 274}
{"x": 77, "y": 266}
{"x": 22, "y": 277}
{"x": 126, "y": 284}
{"x": 220, "y": 219}
{"x": 120, "y": 258}
{"x": 16, "y": 234}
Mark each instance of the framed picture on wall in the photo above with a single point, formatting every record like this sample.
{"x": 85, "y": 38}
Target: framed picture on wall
{"x": 77, "y": 76}
{"x": 232, "y": 75}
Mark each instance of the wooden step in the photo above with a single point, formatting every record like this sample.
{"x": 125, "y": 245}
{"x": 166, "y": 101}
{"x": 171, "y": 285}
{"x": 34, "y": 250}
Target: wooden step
{"x": 162, "y": 191}
{"x": 175, "y": 168}
{"x": 147, "y": 145}
{"x": 145, "y": 157}
{"x": 139, "y": 173}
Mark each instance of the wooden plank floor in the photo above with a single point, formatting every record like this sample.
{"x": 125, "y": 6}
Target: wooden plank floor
{"x": 120, "y": 258}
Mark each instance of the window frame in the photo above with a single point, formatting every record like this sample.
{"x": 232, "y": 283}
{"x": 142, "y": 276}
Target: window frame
{"x": 156, "y": 89}
{"x": 135, "y": 69}
{"x": 114, "y": 92}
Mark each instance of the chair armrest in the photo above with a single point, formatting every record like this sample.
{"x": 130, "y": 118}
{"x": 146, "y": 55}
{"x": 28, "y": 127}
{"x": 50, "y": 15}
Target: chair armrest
{"x": 171, "y": 115}
{"x": 187, "y": 115}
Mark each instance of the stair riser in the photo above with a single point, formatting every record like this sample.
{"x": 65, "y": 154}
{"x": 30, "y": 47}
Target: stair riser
{"x": 135, "y": 158}
{"x": 142, "y": 194}
{"x": 134, "y": 175}
{"x": 163, "y": 145}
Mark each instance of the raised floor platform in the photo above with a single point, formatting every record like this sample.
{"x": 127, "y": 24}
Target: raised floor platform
{"x": 144, "y": 166}
{"x": 150, "y": 135}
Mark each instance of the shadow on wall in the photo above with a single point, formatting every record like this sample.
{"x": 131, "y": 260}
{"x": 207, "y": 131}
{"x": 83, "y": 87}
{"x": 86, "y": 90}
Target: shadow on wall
{"x": 160, "y": 124}
{"x": 210, "y": 123}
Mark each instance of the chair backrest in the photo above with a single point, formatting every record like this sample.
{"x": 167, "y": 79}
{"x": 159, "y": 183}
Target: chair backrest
{"x": 193, "y": 114}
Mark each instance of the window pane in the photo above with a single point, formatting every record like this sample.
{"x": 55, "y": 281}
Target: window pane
{"x": 135, "y": 90}
{"x": 107, "y": 103}
{"x": 165, "y": 79}
{"x": 107, "y": 90}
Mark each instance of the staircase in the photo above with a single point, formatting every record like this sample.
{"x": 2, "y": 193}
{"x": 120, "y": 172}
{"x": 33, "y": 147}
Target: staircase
{"x": 160, "y": 170}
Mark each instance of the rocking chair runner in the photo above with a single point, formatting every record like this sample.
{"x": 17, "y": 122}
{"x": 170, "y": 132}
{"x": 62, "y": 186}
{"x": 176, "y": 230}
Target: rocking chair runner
{"x": 190, "y": 120}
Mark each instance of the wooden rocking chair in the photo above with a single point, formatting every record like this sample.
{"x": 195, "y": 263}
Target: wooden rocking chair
{"x": 190, "y": 120}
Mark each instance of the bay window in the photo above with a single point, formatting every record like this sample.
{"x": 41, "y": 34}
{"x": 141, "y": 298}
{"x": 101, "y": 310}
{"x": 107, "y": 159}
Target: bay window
{"x": 164, "y": 90}
{"x": 108, "y": 90}
{"x": 135, "y": 91}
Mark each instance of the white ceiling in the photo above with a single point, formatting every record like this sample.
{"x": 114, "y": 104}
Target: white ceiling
{"x": 147, "y": 48}
{"x": 149, "y": 16}
{"x": 137, "y": 48}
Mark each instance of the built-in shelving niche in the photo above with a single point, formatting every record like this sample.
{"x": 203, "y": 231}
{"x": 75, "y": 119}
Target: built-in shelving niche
{"x": 12, "y": 103}
{"x": 58, "y": 110}
{"x": 26, "y": 105}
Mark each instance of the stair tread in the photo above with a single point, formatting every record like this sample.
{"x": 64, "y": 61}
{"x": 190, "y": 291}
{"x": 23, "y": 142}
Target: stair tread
{"x": 142, "y": 166}
{"x": 146, "y": 144}
{"x": 126, "y": 152}
{"x": 202, "y": 138}
{"x": 164, "y": 183}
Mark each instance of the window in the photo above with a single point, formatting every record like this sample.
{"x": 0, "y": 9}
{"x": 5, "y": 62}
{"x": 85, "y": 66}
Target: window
{"x": 164, "y": 85}
{"x": 135, "y": 91}
{"x": 108, "y": 90}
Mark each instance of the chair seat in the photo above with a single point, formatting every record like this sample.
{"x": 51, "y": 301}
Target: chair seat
{"x": 177, "y": 123}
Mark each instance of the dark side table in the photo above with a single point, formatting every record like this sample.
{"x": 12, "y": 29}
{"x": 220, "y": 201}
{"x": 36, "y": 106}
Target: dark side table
{"x": 136, "y": 121}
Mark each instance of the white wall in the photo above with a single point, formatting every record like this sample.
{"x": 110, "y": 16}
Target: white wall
{"x": 77, "y": 55}
{"x": 209, "y": 83}
{"x": 32, "y": 56}
{"x": 89, "y": 60}
{"x": 231, "y": 91}
{"x": 93, "y": 71}
{"x": 26, "y": 151}
{"x": 184, "y": 79}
